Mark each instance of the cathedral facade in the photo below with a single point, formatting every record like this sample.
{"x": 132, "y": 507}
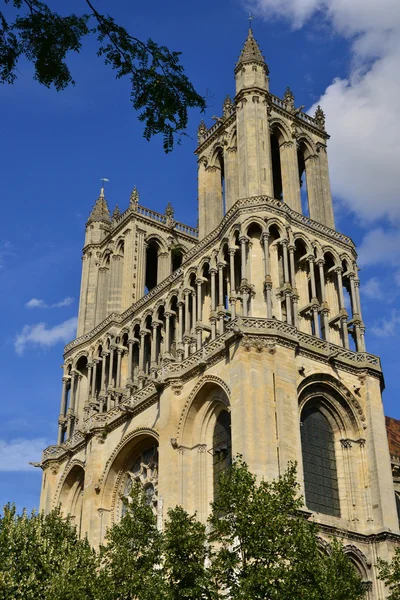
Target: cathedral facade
{"x": 242, "y": 336}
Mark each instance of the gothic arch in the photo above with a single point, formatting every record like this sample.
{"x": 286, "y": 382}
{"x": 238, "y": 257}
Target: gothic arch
{"x": 308, "y": 143}
{"x": 280, "y": 125}
{"x": 278, "y": 224}
{"x": 116, "y": 464}
{"x": 207, "y": 380}
{"x": 338, "y": 396}
{"x": 335, "y": 256}
{"x": 359, "y": 559}
{"x": 158, "y": 239}
{"x": 70, "y": 489}
{"x": 248, "y": 223}
{"x": 300, "y": 236}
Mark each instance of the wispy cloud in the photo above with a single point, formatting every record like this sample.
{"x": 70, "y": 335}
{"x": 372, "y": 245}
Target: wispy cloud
{"x": 38, "y": 303}
{"x": 387, "y": 327}
{"x": 372, "y": 288}
{"x": 43, "y": 336}
{"x": 15, "y": 455}
{"x": 6, "y": 251}
{"x": 380, "y": 247}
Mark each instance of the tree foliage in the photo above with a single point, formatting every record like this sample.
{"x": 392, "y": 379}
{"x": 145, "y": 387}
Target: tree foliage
{"x": 264, "y": 548}
{"x": 260, "y": 546}
{"x": 389, "y": 572}
{"x": 160, "y": 90}
{"x": 42, "y": 558}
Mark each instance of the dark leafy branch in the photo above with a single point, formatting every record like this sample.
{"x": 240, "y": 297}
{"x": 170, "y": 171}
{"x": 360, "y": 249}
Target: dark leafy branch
{"x": 160, "y": 90}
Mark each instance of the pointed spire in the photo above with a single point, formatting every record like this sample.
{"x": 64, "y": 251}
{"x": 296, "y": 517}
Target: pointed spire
{"x": 134, "y": 199}
{"x": 251, "y": 53}
{"x": 169, "y": 211}
{"x": 320, "y": 118}
{"x": 289, "y": 99}
{"x": 228, "y": 105}
{"x": 100, "y": 210}
{"x": 116, "y": 213}
{"x": 201, "y": 131}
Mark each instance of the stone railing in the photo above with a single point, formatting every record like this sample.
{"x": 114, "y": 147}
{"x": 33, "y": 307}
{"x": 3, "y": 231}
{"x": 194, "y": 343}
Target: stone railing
{"x": 301, "y": 115}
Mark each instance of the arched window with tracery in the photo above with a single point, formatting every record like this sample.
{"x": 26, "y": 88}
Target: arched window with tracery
{"x": 319, "y": 462}
{"x": 222, "y": 447}
{"x": 143, "y": 470}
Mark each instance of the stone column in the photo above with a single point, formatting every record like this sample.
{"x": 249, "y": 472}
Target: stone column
{"x": 167, "y": 353}
{"x": 313, "y": 189}
{"x": 314, "y": 299}
{"x": 295, "y": 295}
{"x": 154, "y": 357}
{"x": 325, "y": 307}
{"x": 63, "y": 409}
{"x": 180, "y": 322}
{"x": 232, "y": 295}
{"x": 71, "y": 409}
{"x": 194, "y": 313}
{"x": 267, "y": 274}
{"x": 94, "y": 377}
{"x": 221, "y": 306}
{"x": 342, "y": 309}
{"x": 199, "y": 284}
{"x": 213, "y": 315}
{"x": 187, "y": 312}
{"x": 286, "y": 279}
{"x": 326, "y": 194}
{"x": 89, "y": 380}
{"x": 290, "y": 175}
{"x": 119, "y": 356}
{"x": 254, "y": 144}
{"x": 103, "y": 372}
{"x": 110, "y": 383}
{"x": 130, "y": 359}
{"x": 231, "y": 177}
{"x": 244, "y": 283}
{"x": 142, "y": 373}
{"x": 214, "y": 206}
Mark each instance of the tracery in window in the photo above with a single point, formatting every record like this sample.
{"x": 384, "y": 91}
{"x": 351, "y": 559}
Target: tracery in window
{"x": 144, "y": 470}
{"x": 319, "y": 463}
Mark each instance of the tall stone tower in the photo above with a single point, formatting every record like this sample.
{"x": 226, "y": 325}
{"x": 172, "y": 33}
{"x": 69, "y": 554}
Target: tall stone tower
{"x": 243, "y": 337}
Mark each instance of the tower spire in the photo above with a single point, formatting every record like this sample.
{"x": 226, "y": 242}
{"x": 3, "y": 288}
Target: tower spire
{"x": 100, "y": 210}
{"x": 251, "y": 53}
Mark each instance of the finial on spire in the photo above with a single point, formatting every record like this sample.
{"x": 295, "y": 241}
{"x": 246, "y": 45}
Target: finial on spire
{"x": 134, "y": 199}
{"x": 289, "y": 99}
{"x": 201, "y": 131}
{"x": 169, "y": 213}
{"x": 320, "y": 118}
{"x": 116, "y": 213}
{"x": 227, "y": 106}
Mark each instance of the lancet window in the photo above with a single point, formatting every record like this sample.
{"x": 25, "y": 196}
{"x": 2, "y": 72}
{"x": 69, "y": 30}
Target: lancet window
{"x": 319, "y": 462}
{"x": 222, "y": 447}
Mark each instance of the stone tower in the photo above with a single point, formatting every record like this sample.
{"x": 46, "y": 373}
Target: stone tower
{"x": 243, "y": 337}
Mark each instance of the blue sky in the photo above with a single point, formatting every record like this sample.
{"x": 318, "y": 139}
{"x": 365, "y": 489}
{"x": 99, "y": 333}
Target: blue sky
{"x": 57, "y": 146}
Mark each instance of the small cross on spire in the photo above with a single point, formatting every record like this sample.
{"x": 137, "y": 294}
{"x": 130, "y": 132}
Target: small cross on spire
{"x": 251, "y": 18}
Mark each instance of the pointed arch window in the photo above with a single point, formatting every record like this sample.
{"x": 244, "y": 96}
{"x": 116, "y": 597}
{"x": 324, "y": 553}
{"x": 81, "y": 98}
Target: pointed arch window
{"x": 222, "y": 447}
{"x": 319, "y": 463}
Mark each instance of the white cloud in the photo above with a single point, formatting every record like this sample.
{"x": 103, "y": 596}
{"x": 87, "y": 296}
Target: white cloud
{"x": 42, "y": 336}
{"x": 361, "y": 111}
{"x": 387, "y": 327}
{"x": 372, "y": 288}
{"x": 36, "y": 303}
{"x": 380, "y": 247}
{"x": 16, "y": 454}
